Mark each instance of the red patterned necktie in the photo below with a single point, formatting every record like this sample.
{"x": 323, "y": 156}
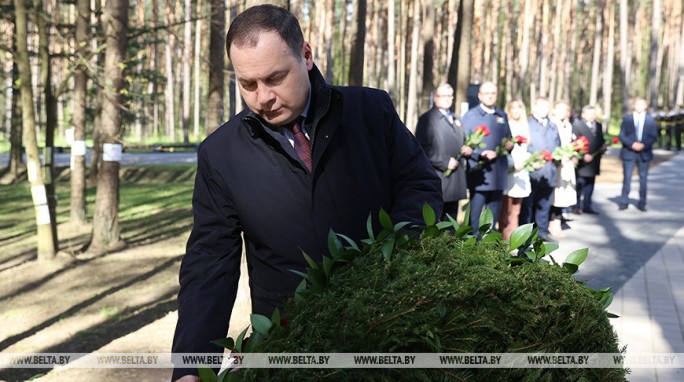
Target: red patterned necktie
{"x": 302, "y": 146}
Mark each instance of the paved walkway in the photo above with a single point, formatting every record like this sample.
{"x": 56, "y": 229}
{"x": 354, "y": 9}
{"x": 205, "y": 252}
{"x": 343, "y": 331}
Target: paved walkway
{"x": 640, "y": 255}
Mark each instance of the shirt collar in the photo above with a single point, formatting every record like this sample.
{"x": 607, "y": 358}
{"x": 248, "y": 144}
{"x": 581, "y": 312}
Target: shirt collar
{"x": 487, "y": 109}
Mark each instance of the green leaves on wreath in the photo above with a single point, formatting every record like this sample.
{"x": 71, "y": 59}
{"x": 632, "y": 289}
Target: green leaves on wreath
{"x": 574, "y": 259}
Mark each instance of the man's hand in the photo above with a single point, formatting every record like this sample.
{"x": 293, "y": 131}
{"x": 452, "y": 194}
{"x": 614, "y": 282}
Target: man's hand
{"x": 509, "y": 146}
{"x": 453, "y": 164}
{"x": 466, "y": 151}
{"x": 575, "y": 160}
{"x": 537, "y": 166}
{"x": 637, "y": 146}
{"x": 588, "y": 158}
{"x": 188, "y": 378}
{"x": 489, "y": 154}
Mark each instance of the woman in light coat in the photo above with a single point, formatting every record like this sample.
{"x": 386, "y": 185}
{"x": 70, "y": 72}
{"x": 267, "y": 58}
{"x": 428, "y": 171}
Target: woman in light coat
{"x": 565, "y": 194}
{"x": 518, "y": 177}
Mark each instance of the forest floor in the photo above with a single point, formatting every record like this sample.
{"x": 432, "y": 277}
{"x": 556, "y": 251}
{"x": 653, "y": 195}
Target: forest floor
{"x": 111, "y": 302}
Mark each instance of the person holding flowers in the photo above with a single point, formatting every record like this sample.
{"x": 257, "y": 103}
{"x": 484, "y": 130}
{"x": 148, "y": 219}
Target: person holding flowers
{"x": 544, "y": 140}
{"x": 518, "y": 187}
{"x": 565, "y": 194}
{"x": 486, "y": 129}
{"x": 590, "y": 163}
{"x": 441, "y": 136}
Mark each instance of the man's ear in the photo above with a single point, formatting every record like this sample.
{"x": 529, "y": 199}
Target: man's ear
{"x": 307, "y": 54}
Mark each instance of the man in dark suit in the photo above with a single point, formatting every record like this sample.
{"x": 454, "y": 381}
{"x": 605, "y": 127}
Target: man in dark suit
{"x": 487, "y": 172}
{"x": 305, "y": 157}
{"x": 441, "y": 135}
{"x": 638, "y": 133}
{"x": 543, "y": 136}
{"x": 590, "y": 165}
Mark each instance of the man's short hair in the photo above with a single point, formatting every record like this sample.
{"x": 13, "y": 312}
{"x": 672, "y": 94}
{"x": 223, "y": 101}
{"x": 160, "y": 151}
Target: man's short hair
{"x": 443, "y": 88}
{"x": 588, "y": 108}
{"x": 246, "y": 27}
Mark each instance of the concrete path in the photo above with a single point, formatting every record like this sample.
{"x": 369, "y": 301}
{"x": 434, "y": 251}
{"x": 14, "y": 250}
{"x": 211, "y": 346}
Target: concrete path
{"x": 640, "y": 255}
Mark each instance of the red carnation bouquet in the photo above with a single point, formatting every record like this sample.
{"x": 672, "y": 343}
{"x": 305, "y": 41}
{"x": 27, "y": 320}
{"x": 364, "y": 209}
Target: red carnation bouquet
{"x": 575, "y": 149}
{"x": 539, "y": 159}
{"x": 474, "y": 141}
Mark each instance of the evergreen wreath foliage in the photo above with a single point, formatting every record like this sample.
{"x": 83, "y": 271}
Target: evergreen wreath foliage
{"x": 440, "y": 291}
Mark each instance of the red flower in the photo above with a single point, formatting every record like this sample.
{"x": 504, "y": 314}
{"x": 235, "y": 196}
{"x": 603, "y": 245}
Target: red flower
{"x": 546, "y": 155}
{"x": 616, "y": 140}
{"x": 483, "y": 130}
{"x": 519, "y": 139}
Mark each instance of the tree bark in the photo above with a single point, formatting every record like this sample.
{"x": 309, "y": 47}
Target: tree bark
{"x": 679, "y": 101}
{"x": 187, "y": 37}
{"x": 413, "y": 74}
{"x": 78, "y": 212}
{"x": 106, "y": 232}
{"x": 50, "y": 115}
{"x": 391, "y": 55}
{"x": 170, "y": 92}
{"x": 608, "y": 69}
{"x": 358, "y": 38}
{"x": 459, "y": 73}
{"x": 197, "y": 78}
{"x": 428, "y": 32}
{"x": 596, "y": 62}
{"x": 47, "y": 241}
{"x": 216, "y": 64}
{"x": 16, "y": 149}
{"x": 653, "y": 54}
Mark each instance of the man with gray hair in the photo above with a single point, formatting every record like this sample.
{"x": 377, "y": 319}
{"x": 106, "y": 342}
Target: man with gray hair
{"x": 441, "y": 135}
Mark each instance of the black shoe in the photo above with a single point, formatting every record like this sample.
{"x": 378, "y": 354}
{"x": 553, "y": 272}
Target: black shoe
{"x": 577, "y": 211}
{"x": 622, "y": 207}
{"x": 642, "y": 208}
{"x": 590, "y": 212}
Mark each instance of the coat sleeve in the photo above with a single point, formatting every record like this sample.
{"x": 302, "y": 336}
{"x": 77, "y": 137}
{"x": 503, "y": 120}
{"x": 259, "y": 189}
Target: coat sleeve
{"x": 626, "y": 139}
{"x": 425, "y": 133}
{"x": 210, "y": 269}
{"x": 413, "y": 180}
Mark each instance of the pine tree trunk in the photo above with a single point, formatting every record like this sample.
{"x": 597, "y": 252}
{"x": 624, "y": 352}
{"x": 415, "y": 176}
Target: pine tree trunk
{"x": 358, "y": 38}
{"x": 16, "y": 163}
{"x": 187, "y": 36}
{"x": 196, "y": 67}
{"x": 106, "y": 232}
{"x": 459, "y": 72}
{"x": 653, "y": 54}
{"x": 679, "y": 101}
{"x": 47, "y": 241}
{"x": 170, "y": 92}
{"x": 608, "y": 70}
{"x": 216, "y": 52}
{"x": 391, "y": 55}
{"x": 428, "y": 34}
{"x": 50, "y": 114}
{"x": 595, "y": 66}
{"x": 413, "y": 74}
{"x": 78, "y": 213}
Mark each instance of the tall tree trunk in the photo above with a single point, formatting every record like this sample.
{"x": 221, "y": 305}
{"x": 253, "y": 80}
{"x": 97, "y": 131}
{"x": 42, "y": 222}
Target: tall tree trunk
{"x": 495, "y": 28}
{"x": 96, "y": 154}
{"x": 679, "y": 101}
{"x": 358, "y": 38}
{"x": 625, "y": 55}
{"x": 413, "y": 74}
{"x": 544, "y": 51}
{"x": 391, "y": 55}
{"x": 106, "y": 233}
{"x": 187, "y": 36}
{"x": 653, "y": 54}
{"x": 459, "y": 70}
{"x": 16, "y": 149}
{"x": 524, "y": 53}
{"x": 216, "y": 52}
{"x": 596, "y": 62}
{"x": 196, "y": 72}
{"x": 608, "y": 71}
{"x": 78, "y": 213}
{"x": 50, "y": 116}
{"x": 170, "y": 93}
{"x": 427, "y": 35}
{"x": 47, "y": 241}
{"x": 329, "y": 26}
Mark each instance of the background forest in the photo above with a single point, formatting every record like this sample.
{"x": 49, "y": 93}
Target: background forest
{"x": 132, "y": 72}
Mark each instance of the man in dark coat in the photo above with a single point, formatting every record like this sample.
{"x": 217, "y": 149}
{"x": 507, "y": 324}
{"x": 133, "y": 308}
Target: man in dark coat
{"x": 638, "y": 133}
{"x": 487, "y": 172}
{"x": 283, "y": 182}
{"x": 441, "y": 135}
{"x": 590, "y": 165}
{"x": 543, "y": 136}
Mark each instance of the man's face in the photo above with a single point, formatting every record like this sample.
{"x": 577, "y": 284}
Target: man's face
{"x": 542, "y": 108}
{"x": 273, "y": 82}
{"x": 444, "y": 98}
{"x": 640, "y": 106}
{"x": 487, "y": 95}
{"x": 561, "y": 111}
{"x": 589, "y": 115}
